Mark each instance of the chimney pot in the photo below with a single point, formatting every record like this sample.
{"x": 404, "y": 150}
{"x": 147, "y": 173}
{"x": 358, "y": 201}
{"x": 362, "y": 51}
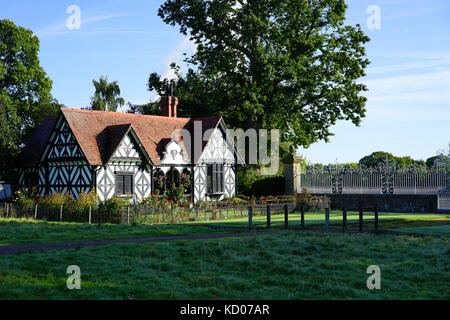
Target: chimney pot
{"x": 169, "y": 106}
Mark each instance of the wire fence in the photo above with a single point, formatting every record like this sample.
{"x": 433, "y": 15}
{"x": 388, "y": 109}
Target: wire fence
{"x": 130, "y": 214}
{"x": 243, "y": 216}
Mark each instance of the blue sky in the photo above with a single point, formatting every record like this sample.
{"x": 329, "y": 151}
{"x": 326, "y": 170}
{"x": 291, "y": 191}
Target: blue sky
{"x": 408, "y": 111}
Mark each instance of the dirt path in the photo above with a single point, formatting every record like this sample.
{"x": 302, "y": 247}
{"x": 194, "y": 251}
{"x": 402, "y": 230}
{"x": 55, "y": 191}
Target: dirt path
{"x": 46, "y": 246}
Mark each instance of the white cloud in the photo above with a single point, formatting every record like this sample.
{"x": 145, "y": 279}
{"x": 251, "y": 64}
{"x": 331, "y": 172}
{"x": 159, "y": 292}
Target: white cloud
{"x": 432, "y": 61}
{"x": 403, "y": 98}
{"x": 176, "y": 55}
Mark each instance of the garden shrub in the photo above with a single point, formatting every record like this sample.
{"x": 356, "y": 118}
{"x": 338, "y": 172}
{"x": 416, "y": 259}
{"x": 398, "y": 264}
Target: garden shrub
{"x": 176, "y": 194}
{"x": 57, "y": 198}
{"x": 251, "y": 182}
{"x": 310, "y": 202}
{"x": 268, "y": 185}
{"x": 86, "y": 199}
{"x": 200, "y": 204}
{"x": 28, "y": 197}
{"x": 153, "y": 200}
{"x": 110, "y": 210}
{"x": 232, "y": 201}
{"x": 279, "y": 198}
{"x": 245, "y": 180}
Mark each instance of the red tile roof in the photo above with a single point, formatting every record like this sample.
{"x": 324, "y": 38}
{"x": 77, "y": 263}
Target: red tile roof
{"x": 99, "y": 132}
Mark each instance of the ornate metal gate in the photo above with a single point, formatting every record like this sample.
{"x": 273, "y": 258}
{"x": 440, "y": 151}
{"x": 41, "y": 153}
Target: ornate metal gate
{"x": 385, "y": 179}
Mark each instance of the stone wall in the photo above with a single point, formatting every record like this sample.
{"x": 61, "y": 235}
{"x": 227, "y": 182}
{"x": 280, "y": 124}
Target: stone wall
{"x": 386, "y": 203}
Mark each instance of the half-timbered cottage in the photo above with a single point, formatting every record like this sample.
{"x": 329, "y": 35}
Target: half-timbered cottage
{"x": 126, "y": 154}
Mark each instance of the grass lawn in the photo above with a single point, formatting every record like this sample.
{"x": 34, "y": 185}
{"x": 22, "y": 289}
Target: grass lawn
{"x": 443, "y": 230}
{"x": 14, "y": 231}
{"x": 318, "y": 218}
{"x": 282, "y": 265}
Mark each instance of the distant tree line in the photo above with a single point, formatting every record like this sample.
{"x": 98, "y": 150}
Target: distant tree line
{"x": 373, "y": 160}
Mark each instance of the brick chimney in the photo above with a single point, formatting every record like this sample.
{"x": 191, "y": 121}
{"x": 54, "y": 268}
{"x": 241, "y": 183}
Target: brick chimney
{"x": 169, "y": 103}
{"x": 169, "y": 106}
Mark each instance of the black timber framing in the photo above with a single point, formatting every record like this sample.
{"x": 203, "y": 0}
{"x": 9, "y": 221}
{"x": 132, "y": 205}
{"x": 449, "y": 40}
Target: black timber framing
{"x": 78, "y": 161}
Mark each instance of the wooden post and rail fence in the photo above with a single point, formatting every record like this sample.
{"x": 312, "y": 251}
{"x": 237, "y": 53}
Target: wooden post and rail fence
{"x": 288, "y": 223}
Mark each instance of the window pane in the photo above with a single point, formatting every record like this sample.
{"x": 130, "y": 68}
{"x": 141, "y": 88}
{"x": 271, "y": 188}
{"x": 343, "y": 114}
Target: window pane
{"x": 128, "y": 184}
{"x": 124, "y": 184}
{"x": 209, "y": 181}
{"x": 119, "y": 184}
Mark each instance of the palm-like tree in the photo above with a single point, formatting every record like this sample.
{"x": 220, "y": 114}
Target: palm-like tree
{"x": 106, "y": 96}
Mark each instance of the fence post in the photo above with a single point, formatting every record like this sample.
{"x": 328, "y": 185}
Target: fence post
{"x": 286, "y": 216}
{"x": 90, "y": 214}
{"x": 344, "y": 220}
{"x": 128, "y": 214}
{"x": 302, "y": 213}
{"x": 361, "y": 219}
{"x": 268, "y": 216}
{"x": 35, "y": 211}
{"x": 327, "y": 218}
{"x": 60, "y": 213}
{"x": 376, "y": 218}
{"x": 250, "y": 217}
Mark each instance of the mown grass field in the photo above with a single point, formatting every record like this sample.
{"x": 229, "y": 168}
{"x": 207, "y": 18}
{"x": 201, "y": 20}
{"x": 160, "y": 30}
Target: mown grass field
{"x": 318, "y": 218}
{"x": 287, "y": 264}
{"x": 13, "y": 231}
{"x": 22, "y": 231}
{"x": 281, "y": 265}
{"x": 440, "y": 230}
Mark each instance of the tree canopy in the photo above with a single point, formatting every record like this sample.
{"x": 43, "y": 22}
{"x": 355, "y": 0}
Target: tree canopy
{"x": 377, "y": 157}
{"x": 25, "y": 98}
{"x": 106, "y": 96}
{"x": 291, "y": 65}
{"x": 431, "y": 160}
{"x": 195, "y": 101}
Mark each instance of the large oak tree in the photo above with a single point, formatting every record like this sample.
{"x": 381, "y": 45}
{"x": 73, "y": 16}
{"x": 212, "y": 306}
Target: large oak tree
{"x": 287, "y": 64}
